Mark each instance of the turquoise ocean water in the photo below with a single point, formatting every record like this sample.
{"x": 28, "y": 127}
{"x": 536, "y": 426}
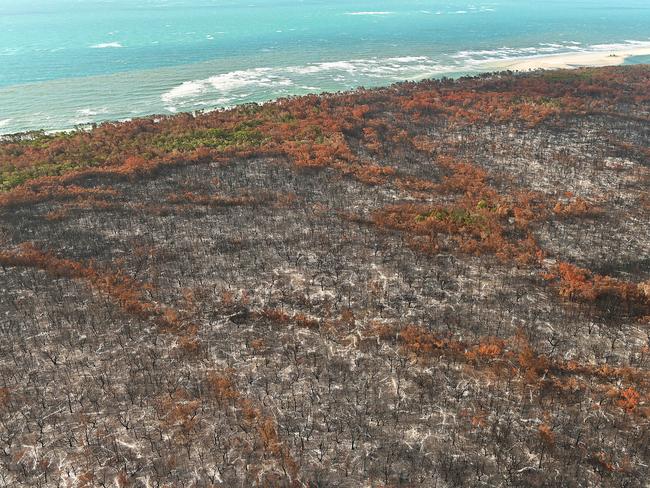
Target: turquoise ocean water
{"x": 69, "y": 62}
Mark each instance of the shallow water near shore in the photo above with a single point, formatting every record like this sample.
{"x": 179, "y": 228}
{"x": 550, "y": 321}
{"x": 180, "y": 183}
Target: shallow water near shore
{"x": 65, "y": 63}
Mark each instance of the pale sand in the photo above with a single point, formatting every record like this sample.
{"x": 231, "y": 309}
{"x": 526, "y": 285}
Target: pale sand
{"x": 612, "y": 57}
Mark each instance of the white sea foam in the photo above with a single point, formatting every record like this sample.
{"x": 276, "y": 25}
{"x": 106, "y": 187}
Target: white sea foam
{"x": 242, "y": 84}
{"x": 569, "y": 55}
{"x": 621, "y": 46}
{"x": 4, "y": 123}
{"x": 368, "y": 67}
{"x": 227, "y": 82}
{"x": 107, "y": 45}
{"x": 510, "y": 52}
{"x": 262, "y": 77}
{"x": 89, "y": 112}
{"x": 187, "y": 89}
{"x": 219, "y": 102}
{"x": 349, "y": 66}
{"x": 86, "y": 116}
{"x": 408, "y": 59}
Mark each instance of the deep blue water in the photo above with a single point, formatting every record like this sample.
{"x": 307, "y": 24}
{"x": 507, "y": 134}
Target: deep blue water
{"x": 68, "y": 62}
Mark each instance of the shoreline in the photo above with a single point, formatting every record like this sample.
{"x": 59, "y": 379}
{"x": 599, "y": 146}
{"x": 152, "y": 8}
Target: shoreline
{"x": 563, "y": 61}
{"x": 584, "y": 59}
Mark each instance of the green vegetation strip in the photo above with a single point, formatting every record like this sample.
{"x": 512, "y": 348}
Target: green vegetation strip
{"x": 242, "y": 136}
{"x": 11, "y": 177}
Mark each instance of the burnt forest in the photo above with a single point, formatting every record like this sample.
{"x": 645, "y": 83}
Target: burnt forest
{"x": 434, "y": 284}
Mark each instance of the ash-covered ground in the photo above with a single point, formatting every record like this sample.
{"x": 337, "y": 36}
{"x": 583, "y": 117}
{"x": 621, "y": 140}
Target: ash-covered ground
{"x": 475, "y": 316}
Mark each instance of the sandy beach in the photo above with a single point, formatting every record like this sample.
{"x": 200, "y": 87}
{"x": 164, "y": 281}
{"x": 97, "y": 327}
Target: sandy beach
{"x": 596, "y": 57}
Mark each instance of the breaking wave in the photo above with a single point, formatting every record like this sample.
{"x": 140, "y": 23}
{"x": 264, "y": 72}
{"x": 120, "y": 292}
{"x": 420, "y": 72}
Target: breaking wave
{"x": 107, "y": 45}
{"x": 241, "y": 85}
{"x": 227, "y": 83}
